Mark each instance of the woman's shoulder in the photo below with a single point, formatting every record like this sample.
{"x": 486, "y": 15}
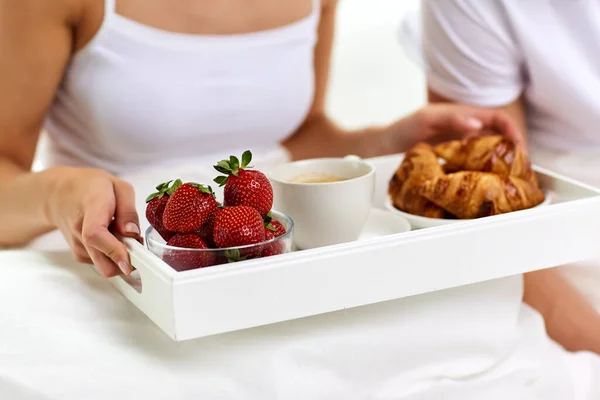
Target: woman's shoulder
{"x": 47, "y": 13}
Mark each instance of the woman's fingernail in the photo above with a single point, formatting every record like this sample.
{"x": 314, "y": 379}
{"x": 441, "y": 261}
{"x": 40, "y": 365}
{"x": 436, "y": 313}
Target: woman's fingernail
{"x": 474, "y": 123}
{"x": 124, "y": 267}
{"x": 132, "y": 227}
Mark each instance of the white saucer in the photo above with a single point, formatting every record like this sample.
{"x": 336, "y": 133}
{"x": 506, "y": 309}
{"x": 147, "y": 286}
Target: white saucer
{"x": 418, "y": 222}
{"x": 383, "y": 223}
{"x": 380, "y": 223}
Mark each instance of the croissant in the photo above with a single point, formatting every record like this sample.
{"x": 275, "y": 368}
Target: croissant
{"x": 472, "y": 194}
{"x": 418, "y": 166}
{"x": 496, "y": 154}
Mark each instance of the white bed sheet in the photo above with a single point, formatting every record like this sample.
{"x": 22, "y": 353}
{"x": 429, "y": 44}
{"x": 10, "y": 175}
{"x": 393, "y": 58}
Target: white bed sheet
{"x": 66, "y": 333}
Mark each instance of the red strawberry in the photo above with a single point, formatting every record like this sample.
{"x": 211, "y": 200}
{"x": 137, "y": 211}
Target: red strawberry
{"x": 155, "y": 207}
{"x": 274, "y": 248}
{"x": 239, "y": 226}
{"x": 273, "y": 229}
{"x": 244, "y": 187}
{"x": 189, "y": 207}
{"x": 182, "y": 260}
{"x": 206, "y": 231}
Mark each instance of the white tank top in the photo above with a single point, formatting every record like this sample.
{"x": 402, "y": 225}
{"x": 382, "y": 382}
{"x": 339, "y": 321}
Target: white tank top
{"x": 136, "y": 95}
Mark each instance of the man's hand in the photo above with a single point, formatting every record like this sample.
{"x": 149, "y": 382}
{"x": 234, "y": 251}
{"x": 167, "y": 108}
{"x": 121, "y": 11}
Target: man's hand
{"x": 447, "y": 121}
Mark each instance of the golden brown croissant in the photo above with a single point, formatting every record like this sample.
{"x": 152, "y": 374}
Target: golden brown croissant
{"x": 496, "y": 154}
{"x": 471, "y": 194}
{"x": 419, "y": 165}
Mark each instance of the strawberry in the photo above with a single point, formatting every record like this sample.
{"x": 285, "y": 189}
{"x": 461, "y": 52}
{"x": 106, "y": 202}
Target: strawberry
{"x": 206, "y": 231}
{"x": 274, "y": 226}
{"x": 274, "y": 248}
{"x": 239, "y": 226}
{"x": 189, "y": 207}
{"x": 273, "y": 229}
{"x": 244, "y": 187}
{"x": 186, "y": 260}
{"x": 155, "y": 207}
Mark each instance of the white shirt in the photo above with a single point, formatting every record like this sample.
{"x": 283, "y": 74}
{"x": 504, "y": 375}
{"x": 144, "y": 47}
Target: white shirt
{"x": 490, "y": 52}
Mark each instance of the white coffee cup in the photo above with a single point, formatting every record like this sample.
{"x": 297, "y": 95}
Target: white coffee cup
{"x": 324, "y": 213}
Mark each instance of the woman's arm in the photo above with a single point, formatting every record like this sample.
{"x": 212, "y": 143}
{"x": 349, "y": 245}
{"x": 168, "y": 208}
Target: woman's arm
{"x": 320, "y": 137}
{"x": 37, "y": 40}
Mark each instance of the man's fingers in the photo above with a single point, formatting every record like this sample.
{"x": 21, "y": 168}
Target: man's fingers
{"x": 500, "y": 122}
{"x": 467, "y": 121}
{"x": 126, "y": 217}
{"x": 463, "y": 124}
{"x": 95, "y": 234}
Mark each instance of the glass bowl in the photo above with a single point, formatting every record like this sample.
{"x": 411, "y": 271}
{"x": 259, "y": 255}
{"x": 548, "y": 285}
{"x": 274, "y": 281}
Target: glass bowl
{"x": 181, "y": 259}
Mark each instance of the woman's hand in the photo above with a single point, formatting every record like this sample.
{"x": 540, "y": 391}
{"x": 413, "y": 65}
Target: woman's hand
{"x": 88, "y": 205}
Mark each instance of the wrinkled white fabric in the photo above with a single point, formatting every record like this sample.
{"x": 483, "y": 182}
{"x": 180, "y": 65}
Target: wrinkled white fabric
{"x": 67, "y": 334}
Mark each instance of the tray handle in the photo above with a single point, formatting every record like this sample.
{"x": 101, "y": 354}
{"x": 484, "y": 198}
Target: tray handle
{"x": 153, "y": 291}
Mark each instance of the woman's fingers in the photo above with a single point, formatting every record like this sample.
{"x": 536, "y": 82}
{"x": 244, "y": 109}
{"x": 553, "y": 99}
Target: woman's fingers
{"x": 126, "y": 217}
{"x": 80, "y": 253}
{"x": 97, "y": 238}
{"x": 105, "y": 265}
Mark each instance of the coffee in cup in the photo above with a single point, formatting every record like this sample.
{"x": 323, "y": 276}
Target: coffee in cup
{"x": 316, "y": 178}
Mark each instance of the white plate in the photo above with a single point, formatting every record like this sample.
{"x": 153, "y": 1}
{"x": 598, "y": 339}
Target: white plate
{"x": 418, "y": 222}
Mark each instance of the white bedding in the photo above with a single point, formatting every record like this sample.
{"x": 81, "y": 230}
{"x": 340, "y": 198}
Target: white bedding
{"x": 66, "y": 333}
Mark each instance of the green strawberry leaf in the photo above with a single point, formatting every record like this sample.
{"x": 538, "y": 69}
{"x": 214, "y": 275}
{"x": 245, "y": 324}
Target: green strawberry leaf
{"x": 163, "y": 189}
{"x": 211, "y": 191}
{"x": 268, "y": 218}
{"x": 222, "y": 170}
{"x": 271, "y": 227}
{"x": 225, "y": 165}
{"x": 163, "y": 185}
{"x": 246, "y": 158}
{"x": 234, "y": 163}
{"x": 203, "y": 189}
{"x": 234, "y": 256}
{"x": 221, "y": 180}
{"x": 174, "y": 187}
{"x": 152, "y": 197}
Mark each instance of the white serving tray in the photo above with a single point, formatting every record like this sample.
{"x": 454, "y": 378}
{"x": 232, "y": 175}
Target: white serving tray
{"x": 252, "y": 293}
